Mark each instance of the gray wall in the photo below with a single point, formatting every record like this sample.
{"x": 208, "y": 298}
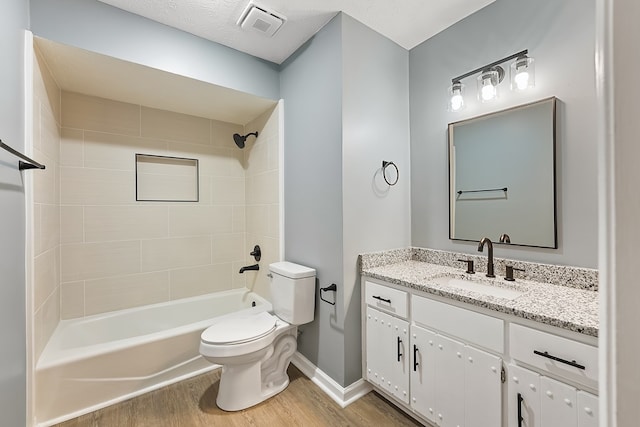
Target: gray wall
{"x": 375, "y": 121}
{"x": 13, "y": 20}
{"x": 346, "y": 107}
{"x": 311, "y": 86}
{"x": 98, "y": 27}
{"x": 560, "y": 36}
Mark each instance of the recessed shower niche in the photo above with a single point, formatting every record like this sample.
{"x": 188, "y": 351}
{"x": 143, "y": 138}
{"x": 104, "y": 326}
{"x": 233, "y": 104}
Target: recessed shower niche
{"x": 168, "y": 179}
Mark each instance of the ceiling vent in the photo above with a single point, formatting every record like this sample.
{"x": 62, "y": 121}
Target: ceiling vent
{"x": 260, "y": 19}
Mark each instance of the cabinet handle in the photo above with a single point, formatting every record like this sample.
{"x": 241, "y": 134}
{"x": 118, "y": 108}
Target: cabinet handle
{"x": 399, "y": 348}
{"x": 557, "y": 359}
{"x": 415, "y": 359}
{"x": 520, "y": 400}
{"x": 382, "y": 299}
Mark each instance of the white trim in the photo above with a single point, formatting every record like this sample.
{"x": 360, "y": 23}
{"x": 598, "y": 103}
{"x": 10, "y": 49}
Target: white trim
{"x": 29, "y": 251}
{"x": 343, "y": 396}
{"x": 281, "y": 174}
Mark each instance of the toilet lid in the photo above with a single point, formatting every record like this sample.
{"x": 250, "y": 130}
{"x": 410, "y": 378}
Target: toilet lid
{"x": 236, "y": 330}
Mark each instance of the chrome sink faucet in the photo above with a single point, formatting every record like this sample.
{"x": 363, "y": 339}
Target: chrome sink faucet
{"x": 481, "y": 243}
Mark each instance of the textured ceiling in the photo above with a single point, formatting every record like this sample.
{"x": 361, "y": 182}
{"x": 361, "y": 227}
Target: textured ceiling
{"x": 406, "y": 22}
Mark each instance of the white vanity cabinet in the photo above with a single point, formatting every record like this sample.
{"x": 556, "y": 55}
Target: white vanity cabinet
{"x": 444, "y": 364}
{"x": 535, "y": 400}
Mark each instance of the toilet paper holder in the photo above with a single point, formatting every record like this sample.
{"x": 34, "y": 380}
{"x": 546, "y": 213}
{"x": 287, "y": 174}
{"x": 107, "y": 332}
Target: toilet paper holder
{"x": 331, "y": 288}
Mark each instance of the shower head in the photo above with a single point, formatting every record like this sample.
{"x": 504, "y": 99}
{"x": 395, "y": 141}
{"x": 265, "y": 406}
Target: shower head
{"x": 240, "y": 140}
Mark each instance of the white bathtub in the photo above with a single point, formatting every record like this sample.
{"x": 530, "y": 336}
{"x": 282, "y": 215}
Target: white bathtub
{"x": 99, "y": 360}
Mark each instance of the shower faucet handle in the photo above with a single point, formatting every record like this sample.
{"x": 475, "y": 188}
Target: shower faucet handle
{"x": 469, "y": 265}
{"x": 257, "y": 253}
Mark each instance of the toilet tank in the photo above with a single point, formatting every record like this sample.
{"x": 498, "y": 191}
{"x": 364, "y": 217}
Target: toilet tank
{"x": 293, "y": 292}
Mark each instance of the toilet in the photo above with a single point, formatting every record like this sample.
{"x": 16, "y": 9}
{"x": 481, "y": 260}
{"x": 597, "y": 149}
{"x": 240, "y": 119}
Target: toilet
{"x": 255, "y": 349}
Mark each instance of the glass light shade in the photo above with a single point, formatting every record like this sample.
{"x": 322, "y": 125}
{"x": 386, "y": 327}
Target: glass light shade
{"x": 488, "y": 85}
{"x": 522, "y": 72}
{"x": 456, "y": 97}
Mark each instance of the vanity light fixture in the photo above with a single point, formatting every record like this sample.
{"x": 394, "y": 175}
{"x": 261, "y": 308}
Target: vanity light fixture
{"x": 490, "y": 76}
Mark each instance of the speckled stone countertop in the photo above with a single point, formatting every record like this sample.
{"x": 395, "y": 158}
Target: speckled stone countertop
{"x": 566, "y": 297}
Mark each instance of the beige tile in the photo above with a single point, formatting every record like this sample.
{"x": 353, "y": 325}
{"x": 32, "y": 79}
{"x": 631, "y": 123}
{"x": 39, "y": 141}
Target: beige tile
{"x": 199, "y": 220}
{"x": 50, "y": 226}
{"x": 50, "y": 315}
{"x": 222, "y": 133}
{"x": 163, "y": 254}
{"x": 258, "y": 219}
{"x": 257, "y": 159}
{"x": 194, "y": 281}
{"x": 228, "y": 248}
{"x": 264, "y": 188}
{"x": 49, "y": 134}
{"x": 117, "y": 293}
{"x": 113, "y": 151}
{"x": 51, "y": 90}
{"x": 170, "y": 188}
{"x": 239, "y": 219}
{"x": 72, "y": 300}
{"x": 96, "y": 187}
{"x": 204, "y": 190}
{"x": 99, "y": 114}
{"x": 71, "y": 147}
{"x": 82, "y": 261}
{"x": 226, "y": 190}
{"x": 273, "y": 225}
{"x": 109, "y": 223}
{"x": 37, "y": 229}
{"x": 45, "y": 276}
{"x": 35, "y": 125}
{"x": 223, "y": 162}
{"x": 273, "y": 153}
{"x": 71, "y": 224}
{"x": 239, "y": 280}
{"x": 38, "y": 333}
{"x": 168, "y": 125}
{"x": 45, "y": 182}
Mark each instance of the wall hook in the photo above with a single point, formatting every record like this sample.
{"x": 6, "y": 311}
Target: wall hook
{"x": 333, "y": 288}
{"x": 385, "y": 165}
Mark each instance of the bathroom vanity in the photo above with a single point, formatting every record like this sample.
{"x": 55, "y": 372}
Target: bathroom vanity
{"x": 458, "y": 349}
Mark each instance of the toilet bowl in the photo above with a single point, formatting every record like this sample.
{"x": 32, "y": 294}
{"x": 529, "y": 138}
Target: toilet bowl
{"x": 256, "y": 349}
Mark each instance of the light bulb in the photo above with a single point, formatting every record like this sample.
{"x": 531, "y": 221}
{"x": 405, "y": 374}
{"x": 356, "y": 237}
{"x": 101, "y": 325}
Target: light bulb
{"x": 522, "y": 80}
{"x": 457, "y": 102}
{"x": 488, "y": 91}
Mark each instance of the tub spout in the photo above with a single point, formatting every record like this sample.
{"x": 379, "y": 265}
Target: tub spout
{"x": 249, "y": 267}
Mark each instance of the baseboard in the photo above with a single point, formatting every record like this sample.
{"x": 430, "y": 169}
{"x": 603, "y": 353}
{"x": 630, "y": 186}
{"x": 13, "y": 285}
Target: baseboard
{"x": 343, "y": 396}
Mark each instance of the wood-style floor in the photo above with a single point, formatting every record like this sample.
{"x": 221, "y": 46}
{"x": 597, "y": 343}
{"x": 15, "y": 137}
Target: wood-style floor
{"x": 191, "y": 403}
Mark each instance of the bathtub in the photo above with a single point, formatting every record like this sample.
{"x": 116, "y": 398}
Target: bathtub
{"x": 96, "y": 361}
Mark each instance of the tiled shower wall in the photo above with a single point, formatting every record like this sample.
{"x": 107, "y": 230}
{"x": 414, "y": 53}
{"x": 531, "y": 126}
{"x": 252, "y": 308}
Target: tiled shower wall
{"x": 262, "y": 202}
{"x": 118, "y": 253}
{"x": 46, "y": 208}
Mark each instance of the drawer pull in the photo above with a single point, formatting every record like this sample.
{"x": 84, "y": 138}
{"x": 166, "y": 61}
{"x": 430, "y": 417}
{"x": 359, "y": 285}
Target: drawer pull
{"x": 388, "y": 301}
{"x": 557, "y": 359}
{"x": 415, "y": 358}
{"x": 520, "y": 419}
{"x": 399, "y": 348}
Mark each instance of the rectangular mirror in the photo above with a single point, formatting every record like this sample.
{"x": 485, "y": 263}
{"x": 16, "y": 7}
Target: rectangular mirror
{"x": 502, "y": 176}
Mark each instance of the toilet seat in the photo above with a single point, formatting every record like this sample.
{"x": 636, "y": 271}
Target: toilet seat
{"x": 239, "y": 336}
{"x": 239, "y": 330}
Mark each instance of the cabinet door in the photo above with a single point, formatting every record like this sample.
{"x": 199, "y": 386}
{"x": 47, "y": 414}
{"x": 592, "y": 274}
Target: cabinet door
{"x": 587, "y": 409}
{"x": 523, "y": 398}
{"x": 449, "y": 382}
{"x": 387, "y": 358}
{"x": 423, "y": 372}
{"x": 483, "y": 389}
{"x": 557, "y": 404}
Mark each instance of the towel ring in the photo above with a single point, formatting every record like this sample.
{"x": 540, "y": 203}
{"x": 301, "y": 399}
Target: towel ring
{"x": 386, "y": 164}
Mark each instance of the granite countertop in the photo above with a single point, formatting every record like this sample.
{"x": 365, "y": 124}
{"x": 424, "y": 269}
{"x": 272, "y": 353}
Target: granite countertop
{"x": 571, "y": 308}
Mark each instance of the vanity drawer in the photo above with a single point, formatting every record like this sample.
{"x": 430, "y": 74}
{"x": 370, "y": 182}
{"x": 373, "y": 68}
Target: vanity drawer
{"x": 470, "y": 326}
{"x": 558, "y": 355}
{"x": 387, "y": 299}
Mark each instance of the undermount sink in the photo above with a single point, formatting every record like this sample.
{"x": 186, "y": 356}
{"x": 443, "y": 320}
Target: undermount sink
{"x": 469, "y": 284}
